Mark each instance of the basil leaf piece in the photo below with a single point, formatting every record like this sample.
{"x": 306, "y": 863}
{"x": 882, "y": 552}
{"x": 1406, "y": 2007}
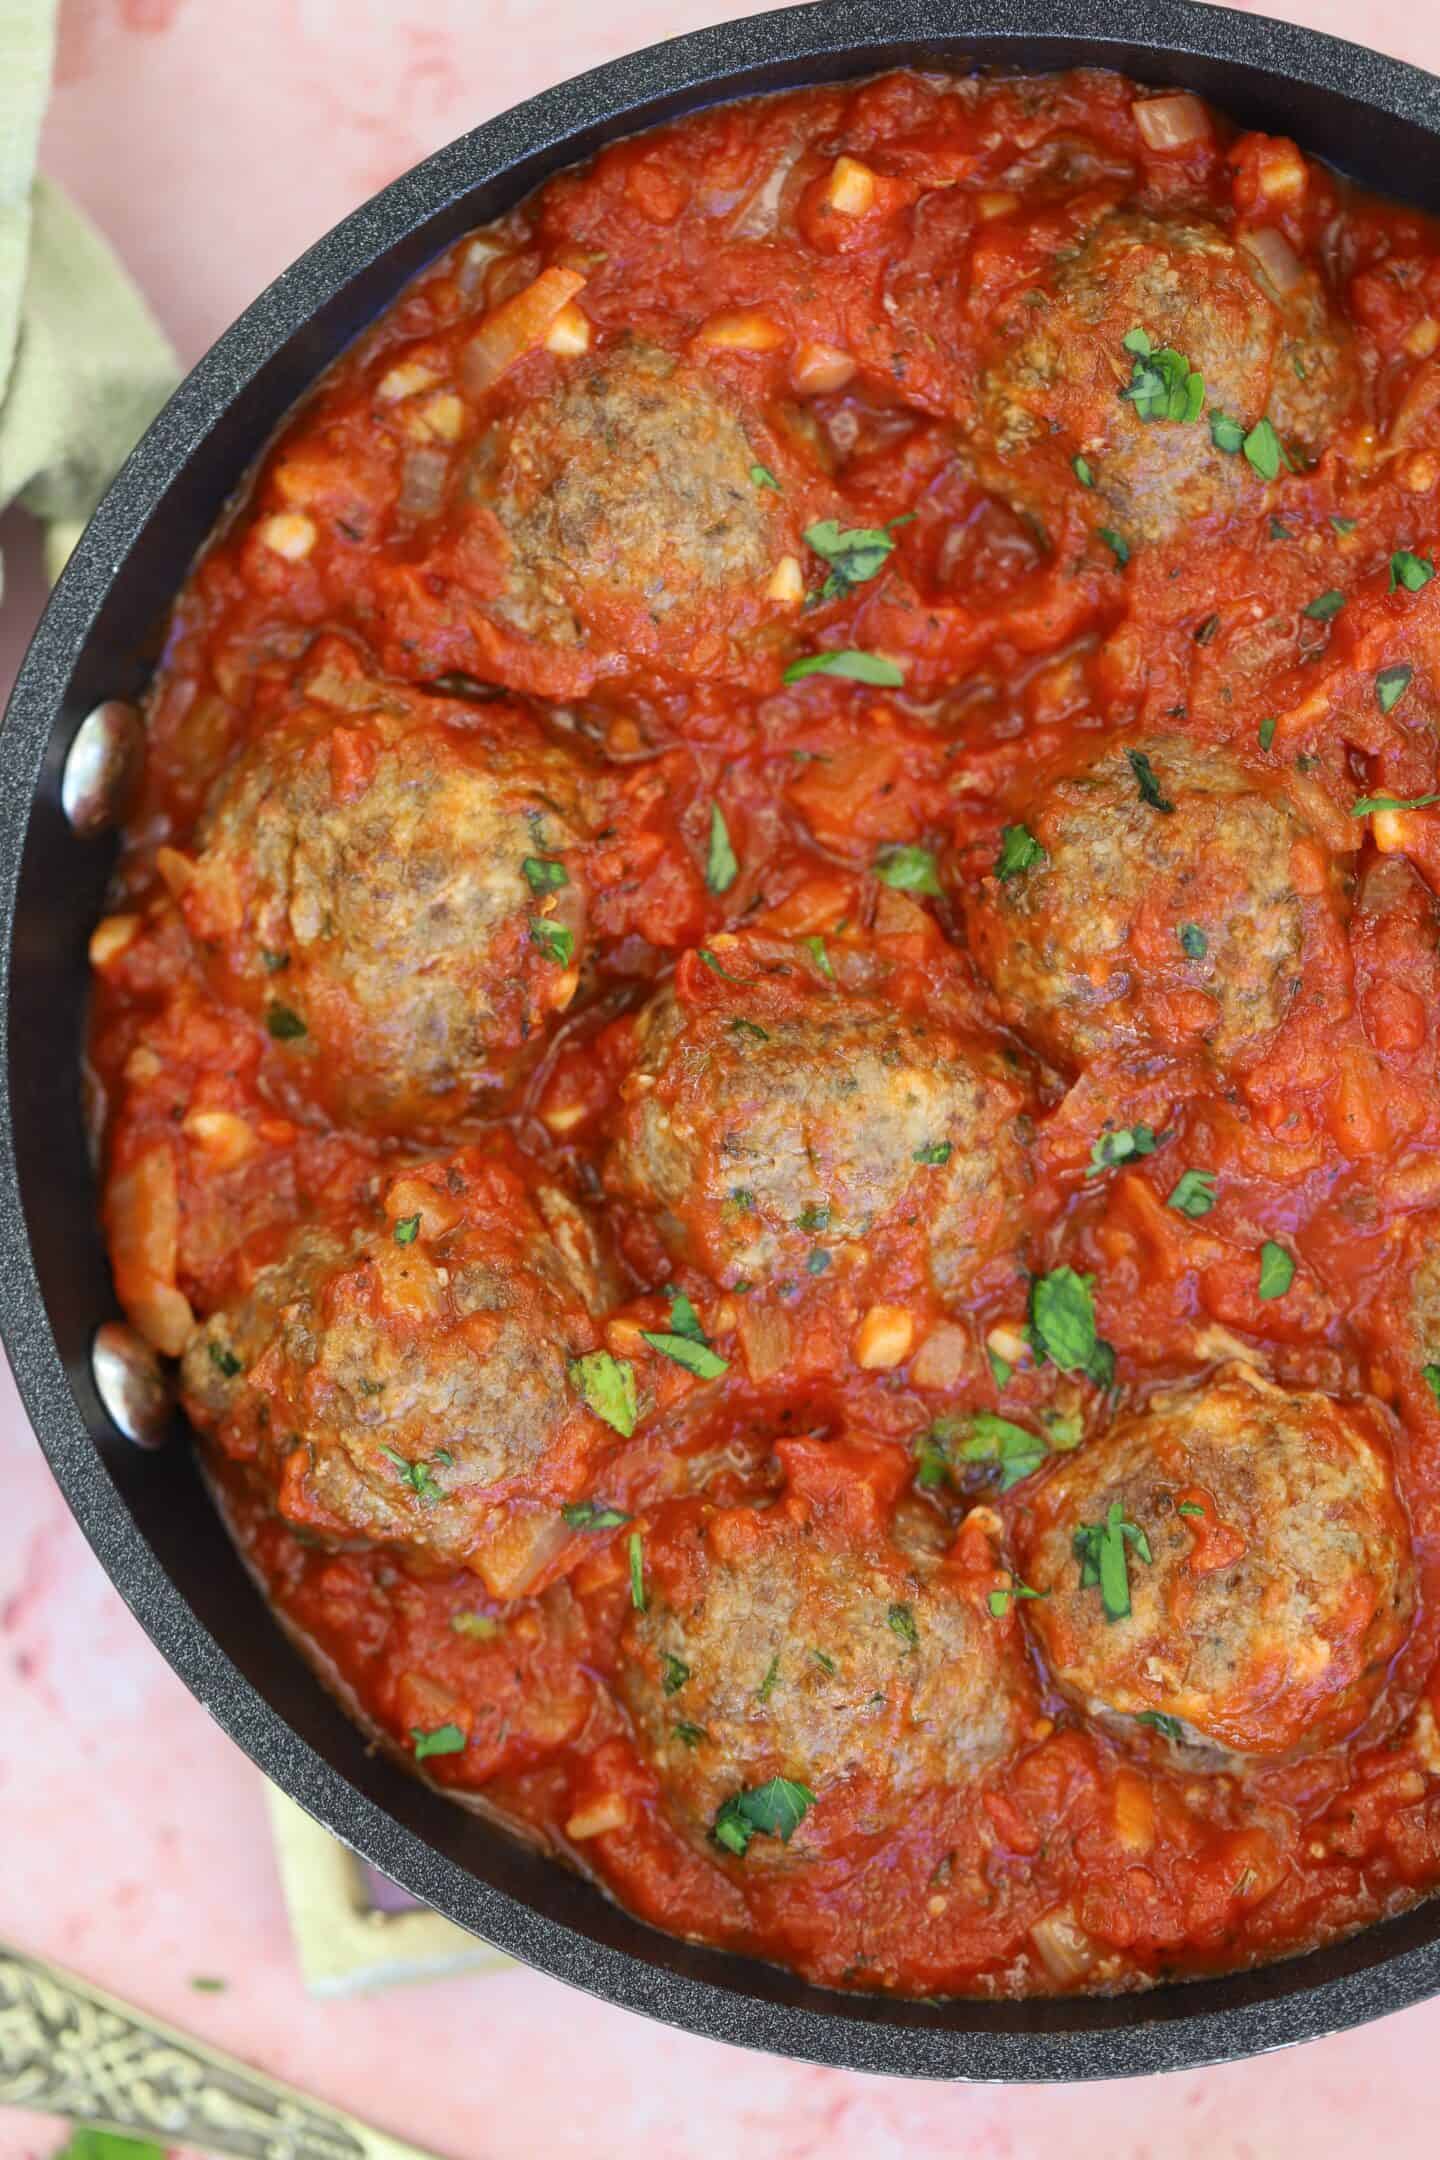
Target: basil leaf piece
{"x": 1082, "y": 470}
{"x": 999, "y": 1600}
{"x": 1117, "y": 544}
{"x": 635, "y": 1545}
{"x": 1277, "y": 1270}
{"x": 1019, "y": 851}
{"x": 1430, "y": 1374}
{"x": 543, "y": 874}
{"x": 684, "y": 1320}
{"x": 1170, "y": 1728}
{"x": 1162, "y": 385}
{"x": 1225, "y": 433}
{"x": 861, "y": 667}
{"x": 592, "y": 1515}
{"x": 225, "y": 1361}
{"x": 775, "y": 1809}
{"x": 908, "y": 869}
{"x": 557, "y": 943}
{"x": 935, "y": 1155}
{"x": 606, "y": 1386}
{"x": 1101, "y": 1549}
{"x": 1150, "y": 789}
{"x": 689, "y": 1735}
{"x": 762, "y": 477}
{"x": 1264, "y": 451}
{"x": 855, "y": 553}
{"x": 407, "y": 1229}
{"x": 816, "y": 948}
{"x": 1193, "y": 941}
{"x": 902, "y": 1621}
{"x": 1344, "y": 525}
{"x": 1413, "y": 572}
{"x": 1266, "y": 733}
{"x": 694, "y": 1357}
{"x": 1325, "y": 606}
{"x": 1062, "y": 1325}
{"x": 1120, "y": 1144}
{"x": 1391, "y": 685}
{"x": 87, "y": 2143}
{"x": 418, "y": 1476}
{"x": 283, "y": 1025}
{"x": 995, "y": 1439}
{"x": 1194, "y": 1195}
{"x": 444, "y": 1740}
{"x": 716, "y": 967}
{"x": 722, "y": 866}
{"x": 1370, "y": 803}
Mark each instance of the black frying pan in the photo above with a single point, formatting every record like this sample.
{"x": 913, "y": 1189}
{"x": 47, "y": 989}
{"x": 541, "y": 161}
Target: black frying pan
{"x": 145, "y": 1512}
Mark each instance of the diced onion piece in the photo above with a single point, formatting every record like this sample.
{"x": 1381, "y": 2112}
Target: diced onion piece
{"x": 406, "y": 379}
{"x": 439, "y": 419}
{"x": 475, "y": 266}
{"x": 289, "y": 533}
{"x": 611, "y": 1812}
{"x": 884, "y": 1338}
{"x": 514, "y": 1551}
{"x": 1134, "y": 1812}
{"x": 517, "y": 327}
{"x": 177, "y": 870}
{"x": 741, "y": 330}
{"x": 1387, "y": 830}
{"x": 564, "y": 1117}
{"x": 817, "y": 369}
{"x": 787, "y": 582}
{"x": 850, "y": 188}
{"x": 1009, "y": 1341}
{"x": 221, "y": 1135}
{"x": 1281, "y": 173}
{"x": 142, "y": 1211}
{"x": 944, "y": 1359}
{"x": 1274, "y": 255}
{"x": 759, "y": 214}
{"x": 765, "y": 1336}
{"x": 1065, "y": 1949}
{"x": 996, "y": 203}
{"x": 570, "y": 331}
{"x": 1418, "y": 474}
{"x": 1423, "y": 339}
{"x": 110, "y": 937}
{"x": 422, "y": 482}
{"x": 559, "y": 987}
{"x": 1171, "y": 123}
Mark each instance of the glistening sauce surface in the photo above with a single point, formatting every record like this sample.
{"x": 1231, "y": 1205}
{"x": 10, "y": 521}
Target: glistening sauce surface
{"x": 767, "y": 1036}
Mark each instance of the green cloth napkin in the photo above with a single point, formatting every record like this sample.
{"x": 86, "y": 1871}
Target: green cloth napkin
{"x": 83, "y": 363}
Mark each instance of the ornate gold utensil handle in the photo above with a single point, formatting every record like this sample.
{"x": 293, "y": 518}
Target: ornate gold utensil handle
{"x": 68, "y": 2049}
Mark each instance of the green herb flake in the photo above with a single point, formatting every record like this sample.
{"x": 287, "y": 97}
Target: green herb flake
{"x": 606, "y": 1385}
{"x": 1150, "y": 789}
{"x": 283, "y": 1025}
{"x": 825, "y": 1662}
{"x": 635, "y": 1545}
{"x": 1062, "y": 1325}
{"x": 776, "y": 1809}
{"x": 689, "y": 1735}
{"x": 936, "y": 1154}
{"x": 557, "y": 943}
{"x": 855, "y": 553}
{"x": 474, "y": 1626}
{"x": 1391, "y": 685}
{"x": 406, "y": 1230}
{"x": 1430, "y": 1374}
{"x": 1344, "y": 525}
{"x": 1368, "y": 804}
{"x": 592, "y": 1515}
{"x": 1412, "y": 572}
{"x": 1279, "y": 530}
{"x": 861, "y": 667}
{"x": 418, "y": 1476}
{"x": 1325, "y": 606}
{"x": 1226, "y": 434}
{"x": 1162, "y": 385}
{"x": 722, "y": 865}
{"x": 1264, "y": 451}
{"x": 932, "y": 1464}
{"x": 1120, "y": 1144}
{"x": 1000, "y": 1368}
{"x": 1277, "y": 1270}
{"x": 684, "y": 1320}
{"x": 1194, "y": 1195}
{"x": 1019, "y": 851}
{"x": 1170, "y": 1728}
{"x": 817, "y": 1262}
{"x": 274, "y": 963}
{"x": 225, "y": 1361}
{"x": 999, "y": 1600}
{"x": 1189, "y": 1507}
{"x": 1193, "y": 941}
{"x": 816, "y": 948}
{"x": 772, "y": 1673}
{"x": 762, "y": 477}
{"x": 1101, "y": 1549}
{"x": 995, "y": 1439}
{"x": 444, "y": 1740}
{"x": 543, "y": 875}
{"x": 87, "y": 2143}
{"x": 694, "y": 1357}
{"x": 1266, "y": 733}
{"x": 751, "y": 1029}
{"x": 901, "y": 1621}
{"x": 716, "y": 966}
{"x": 908, "y": 869}
{"x": 1117, "y": 544}
{"x": 674, "y": 1672}
{"x": 1082, "y": 470}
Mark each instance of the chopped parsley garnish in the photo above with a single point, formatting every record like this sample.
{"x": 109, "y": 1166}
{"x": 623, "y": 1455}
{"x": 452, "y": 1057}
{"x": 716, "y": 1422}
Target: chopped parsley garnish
{"x": 935, "y": 1155}
{"x": 557, "y": 943}
{"x": 606, "y": 1385}
{"x": 1369, "y": 803}
{"x": 1430, "y": 1374}
{"x": 1120, "y": 1144}
{"x": 907, "y": 869}
{"x": 1194, "y": 1195}
{"x": 775, "y": 1809}
{"x": 1325, "y": 606}
{"x": 993, "y": 1438}
{"x": 1117, "y": 544}
{"x": 674, "y": 1672}
{"x": 1062, "y": 1325}
{"x": 1277, "y": 1270}
{"x": 722, "y": 866}
{"x": 862, "y": 667}
{"x": 750, "y": 1028}
{"x": 1170, "y": 1728}
{"x": 418, "y": 1476}
{"x": 1162, "y": 385}
{"x": 1413, "y": 572}
{"x": 1019, "y": 851}
{"x": 1225, "y": 433}
{"x": 932, "y": 1464}
{"x": 1150, "y": 789}
{"x": 592, "y": 1515}
{"x": 815, "y": 946}
{"x": 855, "y": 553}
{"x": 689, "y": 1735}
{"x": 444, "y": 1740}
{"x": 902, "y": 1621}
{"x": 1193, "y": 941}
{"x": 1101, "y": 1550}
{"x": 764, "y": 478}
{"x": 772, "y": 1673}
{"x": 1266, "y": 733}
{"x": 274, "y": 962}
{"x": 284, "y": 1025}
{"x": 225, "y": 1361}
{"x": 635, "y": 1545}
{"x": 543, "y": 875}
{"x": 1391, "y": 685}
{"x": 406, "y": 1230}
{"x": 1081, "y": 468}
{"x": 999, "y": 1600}
{"x": 474, "y": 1626}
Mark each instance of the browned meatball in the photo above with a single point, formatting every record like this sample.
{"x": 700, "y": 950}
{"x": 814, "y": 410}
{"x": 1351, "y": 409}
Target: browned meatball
{"x": 1141, "y": 922}
{"x": 1060, "y": 365}
{"x": 401, "y": 1373}
{"x": 397, "y": 885}
{"x": 758, "y": 1132}
{"x": 1236, "y": 1559}
{"x": 778, "y": 1643}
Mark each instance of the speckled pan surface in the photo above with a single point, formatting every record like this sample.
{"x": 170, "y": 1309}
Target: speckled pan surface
{"x": 147, "y": 1515}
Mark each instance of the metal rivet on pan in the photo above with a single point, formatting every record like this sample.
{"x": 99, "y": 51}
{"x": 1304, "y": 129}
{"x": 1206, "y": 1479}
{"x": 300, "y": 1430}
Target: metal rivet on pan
{"x": 102, "y": 769}
{"x": 131, "y": 1383}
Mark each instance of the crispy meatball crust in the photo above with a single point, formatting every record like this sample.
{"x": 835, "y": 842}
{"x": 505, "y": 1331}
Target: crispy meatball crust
{"x": 1094, "y": 950}
{"x": 1061, "y": 364}
{"x": 398, "y": 1376}
{"x": 782, "y": 1642}
{"x": 1266, "y": 1620}
{"x": 829, "y": 1119}
{"x": 361, "y": 884}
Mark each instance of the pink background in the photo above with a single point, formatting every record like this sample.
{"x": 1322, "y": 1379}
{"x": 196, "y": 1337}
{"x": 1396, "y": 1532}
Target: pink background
{"x": 213, "y": 140}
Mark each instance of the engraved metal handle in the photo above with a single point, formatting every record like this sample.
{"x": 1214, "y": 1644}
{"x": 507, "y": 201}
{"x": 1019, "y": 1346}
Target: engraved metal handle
{"x": 67, "y": 2049}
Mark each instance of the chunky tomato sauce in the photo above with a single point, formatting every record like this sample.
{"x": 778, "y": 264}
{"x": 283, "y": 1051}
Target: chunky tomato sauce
{"x": 768, "y": 1033}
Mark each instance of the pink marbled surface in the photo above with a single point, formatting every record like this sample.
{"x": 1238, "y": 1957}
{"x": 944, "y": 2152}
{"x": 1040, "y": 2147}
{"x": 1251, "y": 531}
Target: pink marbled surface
{"x": 213, "y": 139}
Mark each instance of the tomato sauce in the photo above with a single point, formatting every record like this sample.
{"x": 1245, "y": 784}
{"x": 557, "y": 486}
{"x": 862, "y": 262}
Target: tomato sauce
{"x": 944, "y": 325}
